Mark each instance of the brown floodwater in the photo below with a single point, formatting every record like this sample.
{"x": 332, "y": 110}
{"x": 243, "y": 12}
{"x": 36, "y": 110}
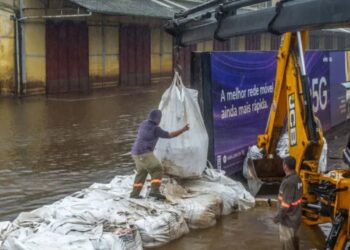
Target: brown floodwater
{"x": 251, "y": 229}
{"x": 51, "y": 147}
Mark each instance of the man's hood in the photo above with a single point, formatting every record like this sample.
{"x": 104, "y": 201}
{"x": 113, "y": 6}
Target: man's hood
{"x": 155, "y": 116}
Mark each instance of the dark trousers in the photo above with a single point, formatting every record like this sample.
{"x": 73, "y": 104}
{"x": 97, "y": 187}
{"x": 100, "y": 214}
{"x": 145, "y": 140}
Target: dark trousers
{"x": 289, "y": 238}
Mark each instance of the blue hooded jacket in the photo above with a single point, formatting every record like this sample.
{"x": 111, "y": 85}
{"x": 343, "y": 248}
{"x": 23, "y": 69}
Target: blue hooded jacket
{"x": 148, "y": 134}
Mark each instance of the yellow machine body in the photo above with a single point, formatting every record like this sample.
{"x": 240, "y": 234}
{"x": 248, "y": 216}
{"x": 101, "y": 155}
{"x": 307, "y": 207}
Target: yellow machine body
{"x": 325, "y": 195}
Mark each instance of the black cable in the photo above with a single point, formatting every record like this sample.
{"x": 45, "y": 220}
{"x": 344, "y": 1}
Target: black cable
{"x": 219, "y": 15}
{"x": 278, "y": 9}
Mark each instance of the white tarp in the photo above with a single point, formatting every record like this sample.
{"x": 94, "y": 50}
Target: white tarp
{"x": 185, "y": 155}
{"x": 102, "y": 217}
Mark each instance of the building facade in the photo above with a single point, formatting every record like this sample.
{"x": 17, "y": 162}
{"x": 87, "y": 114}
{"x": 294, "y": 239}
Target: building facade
{"x": 62, "y": 46}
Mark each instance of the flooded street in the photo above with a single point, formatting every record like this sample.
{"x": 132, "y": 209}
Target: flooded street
{"x": 52, "y": 147}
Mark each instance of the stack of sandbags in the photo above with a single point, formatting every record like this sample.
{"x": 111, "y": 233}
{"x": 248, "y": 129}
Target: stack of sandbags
{"x": 102, "y": 216}
{"x": 73, "y": 223}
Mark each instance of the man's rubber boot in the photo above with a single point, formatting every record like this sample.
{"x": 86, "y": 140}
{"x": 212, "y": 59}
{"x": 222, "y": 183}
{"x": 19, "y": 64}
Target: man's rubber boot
{"x": 136, "y": 196}
{"x": 158, "y": 196}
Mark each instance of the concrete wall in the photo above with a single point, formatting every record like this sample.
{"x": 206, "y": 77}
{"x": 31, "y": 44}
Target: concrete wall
{"x": 161, "y": 55}
{"x": 7, "y": 53}
{"x": 34, "y": 49}
{"x": 103, "y": 52}
{"x": 205, "y": 46}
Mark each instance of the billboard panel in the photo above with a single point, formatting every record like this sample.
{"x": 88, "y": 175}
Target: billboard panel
{"x": 339, "y": 73}
{"x": 242, "y": 90}
{"x": 242, "y": 86}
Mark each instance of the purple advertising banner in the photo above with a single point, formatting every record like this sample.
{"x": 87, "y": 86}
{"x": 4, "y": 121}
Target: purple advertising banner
{"x": 240, "y": 108}
{"x": 318, "y": 68}
{"x": 339, "y": 73}
{"x": 242, "y": 90}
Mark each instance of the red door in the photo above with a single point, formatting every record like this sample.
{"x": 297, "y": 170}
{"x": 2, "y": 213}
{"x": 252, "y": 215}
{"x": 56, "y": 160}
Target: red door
{"x": 67, "y": 57}
{"x": 135, "y": 55}
{"x": 221, "y": 45}
{"x": 253, "y": 42}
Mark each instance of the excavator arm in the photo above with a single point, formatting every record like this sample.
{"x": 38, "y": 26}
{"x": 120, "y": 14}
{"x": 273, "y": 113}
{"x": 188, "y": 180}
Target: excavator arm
{"x": 326, "y": 197}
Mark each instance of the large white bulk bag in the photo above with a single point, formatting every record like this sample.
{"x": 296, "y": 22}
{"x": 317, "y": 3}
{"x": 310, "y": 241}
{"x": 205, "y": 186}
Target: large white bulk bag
{"x": 185, "y": 155}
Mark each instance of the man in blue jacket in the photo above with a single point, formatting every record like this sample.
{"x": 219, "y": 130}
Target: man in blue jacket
{"x": 142, "y": 152}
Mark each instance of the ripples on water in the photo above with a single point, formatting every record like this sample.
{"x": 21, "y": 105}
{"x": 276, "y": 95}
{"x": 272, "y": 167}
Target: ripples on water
{"x": 52, "y": 147}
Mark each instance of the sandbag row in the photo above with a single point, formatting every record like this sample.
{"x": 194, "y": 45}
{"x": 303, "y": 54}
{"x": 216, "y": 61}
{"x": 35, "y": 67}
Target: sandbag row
{"x": 102, "y": 216}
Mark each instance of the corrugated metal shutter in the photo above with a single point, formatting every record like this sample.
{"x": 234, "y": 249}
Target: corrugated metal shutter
{"x": 67, "y": 59}
{"x": 253, "y": 42}
{"x": 275, "y": 42}
{"x": 221, "y": 46}
{"x": 184, "y": 62}
{"x": 135, "y": 55}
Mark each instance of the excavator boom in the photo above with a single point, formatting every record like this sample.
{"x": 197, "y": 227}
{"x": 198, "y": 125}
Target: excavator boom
{"x": 222, "y": 20}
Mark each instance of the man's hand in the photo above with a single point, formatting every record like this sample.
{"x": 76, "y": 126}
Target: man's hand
{"x": 186, "y": 128}
{"x": 180, "y": 131}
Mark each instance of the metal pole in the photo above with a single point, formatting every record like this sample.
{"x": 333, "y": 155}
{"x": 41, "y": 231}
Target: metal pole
{"x": 21, "y": 49}
{"x": 301, "y": 54}
{"x": 18, "y": 67}
{"x": 56, "y": 17}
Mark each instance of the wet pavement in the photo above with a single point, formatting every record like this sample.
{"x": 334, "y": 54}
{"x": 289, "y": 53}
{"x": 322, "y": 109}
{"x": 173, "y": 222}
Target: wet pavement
{"x": 249, "y": 230}
{"x": 55, "y": 146}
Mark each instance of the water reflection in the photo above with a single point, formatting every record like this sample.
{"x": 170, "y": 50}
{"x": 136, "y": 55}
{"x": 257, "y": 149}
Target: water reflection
{"x": 51, "y": 147}
{"x": 246, "y": 230}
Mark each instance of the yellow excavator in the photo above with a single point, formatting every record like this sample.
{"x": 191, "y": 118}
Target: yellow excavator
{"x": 326, "y": 196}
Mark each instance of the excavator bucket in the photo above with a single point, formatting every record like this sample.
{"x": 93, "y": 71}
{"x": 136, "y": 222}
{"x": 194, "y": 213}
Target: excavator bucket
{"x": 265, "y": 175}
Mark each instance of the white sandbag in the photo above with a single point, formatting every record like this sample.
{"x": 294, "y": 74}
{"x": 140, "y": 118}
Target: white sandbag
{"x": 158, "y": 223}
{"x": 120, "y": 238}
{"x": 322, "y": 164}
{"x": 282, "y": 148}
{"x": 158, "y": 230}
{"x": 200, "y": 209}
{"x": 234, "y": 195}
{"x": 185, "y": 155}
{"x": 47, "y": 240}
{"x": 254, "y": 183}
{"x": 6, "y": 227}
